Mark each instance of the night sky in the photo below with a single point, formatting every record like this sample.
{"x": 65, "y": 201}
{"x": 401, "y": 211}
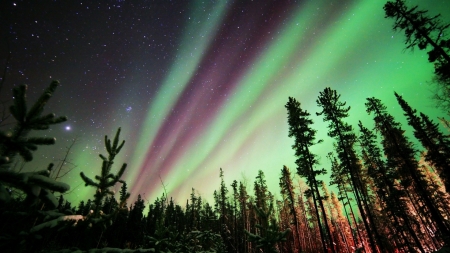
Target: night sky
{"x": 201, "y": 85}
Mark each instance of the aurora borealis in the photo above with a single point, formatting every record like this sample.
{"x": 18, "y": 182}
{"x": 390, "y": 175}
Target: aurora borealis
{"x": 201, "y": 85}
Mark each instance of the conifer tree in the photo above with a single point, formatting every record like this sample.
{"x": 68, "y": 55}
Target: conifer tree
{"x": 235, "y": 214}
{"x": 423, "y": 31}
{"x": 306, "y": 230}
{"x": 335, "y": 111}
{"x": 124, "y": 195}
{"x": 287, "y": 190}
{"x": 391, "y": 198}
{"x": 110, "y": 205}
{"x": 261, "y": 191}
{"x": 106, "y": 179}
{"x": 193, "y": 211}
{"x": 342, "y": 224}
{"x": 299, "y": 128}
{"x": 36, "y": 185}
{"x": 339, "y": 178}
{"x": 244, "y": 214}
{"x": 223, "y": 206}
{"x": 60, "y": 203}
{"x": 436, "y": 143}
{"x": 135, "y": 222}
{"x": 269, "y": 233}
{"x": 80, "y": 208}
{"x": 401, "y": 155}
{"x": 87, "y": 207}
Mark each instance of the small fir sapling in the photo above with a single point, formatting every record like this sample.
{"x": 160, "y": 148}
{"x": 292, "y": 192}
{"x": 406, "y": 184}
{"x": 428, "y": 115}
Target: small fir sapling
{"x": 106, "y": 180}
{"x": 36, "y": 185}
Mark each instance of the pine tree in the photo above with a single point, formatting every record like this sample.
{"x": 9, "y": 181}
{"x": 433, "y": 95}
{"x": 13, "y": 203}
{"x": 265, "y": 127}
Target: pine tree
{"x": 269, "y": 233}
{"x": 135, "y": 225}
{"x": 436, "y": 143}
{"x": 401, "y": 155}
{"x": 339, "y": 178}
{"x": 391, "y": 198}
{"x": 335, "y": 111}
{"x": 244, "y": 214}
{"x": 193, "y": 211}
{"x": 124, "y": 195}
{"x": 299, "y": 128}
{"x": 342, "y": 224}
{"x": 261, "y": 191}
{"x": 287, "y": 191}
{"x": 87, "y": 208}
{"x": 423, "y": 31}
{"x": 235, "y": 214}
{"x": 223, "y": 199}
{"x": 80, "y": 209}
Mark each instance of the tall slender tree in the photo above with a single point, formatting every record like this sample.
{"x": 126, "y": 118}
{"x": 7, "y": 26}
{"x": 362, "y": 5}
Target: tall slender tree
{"x": 400, "y": 154}
{"x": 287, "y": 190}
{"x": 391, "y": 198}
{"x": 427, "y": 33}
{"x": 305, "y": 137}
{"x": 423, "y": 31}
{"x": 335, "y": 111}
{"x": 435, "y": 142}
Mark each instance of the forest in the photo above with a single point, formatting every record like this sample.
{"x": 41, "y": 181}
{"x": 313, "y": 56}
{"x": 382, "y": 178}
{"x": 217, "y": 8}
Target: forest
{"x": 389, "y": 194}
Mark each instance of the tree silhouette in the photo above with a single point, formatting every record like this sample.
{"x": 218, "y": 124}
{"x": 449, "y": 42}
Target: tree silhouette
{"x": 106, "y": 179}
{"x": 392, "y": 200}
{"x": 436, "y": 143}
{"x": 422, "y": 31}
{"x": 287, "y": 190}
{"x": 36, "y": 185}
{"x": 401, "y": 155}
{"x": 334, "y": 111}
{"x": 299, "y": 128}
{"x": 425, "y": 32}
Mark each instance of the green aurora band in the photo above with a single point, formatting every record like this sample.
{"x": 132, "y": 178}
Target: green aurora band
{"x": 354, "y": 51}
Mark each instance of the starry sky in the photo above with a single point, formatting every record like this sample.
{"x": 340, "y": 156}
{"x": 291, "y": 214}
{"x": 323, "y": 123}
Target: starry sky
{"x": 201, "y": 85}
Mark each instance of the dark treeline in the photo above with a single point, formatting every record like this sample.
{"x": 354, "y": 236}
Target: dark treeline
{"x": 391, "y": 197}
{"x": 390, "y": 187}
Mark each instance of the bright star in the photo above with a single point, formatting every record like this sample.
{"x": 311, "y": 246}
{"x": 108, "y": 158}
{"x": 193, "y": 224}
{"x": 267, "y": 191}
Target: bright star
{"x": 68, "y": 128}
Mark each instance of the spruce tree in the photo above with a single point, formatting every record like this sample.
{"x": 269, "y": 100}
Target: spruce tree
{"x": 106, "y": 179}
{"x": 36, "y": 185}
{"x": 423, "y": 31}
{"x": 261, "y": 191}
{"x": 341, "y": 223}
{"x": 435, "y": 142}
{"x": 300, "y": 128}
{"x": 287, "y": 191}
{"x": 124, "y": 195}
{"x": 244, "y": 211}
{"x": 235, "y": 214}
{"x": 223, "y": 199}
{"x": 339, "y": 178}
{"x": 334, "y": 112}
{"x": 80, "y": 208}
{"x": 135, "y": 225}
{"x": 392, "y": 199}
{"x": 400, "y": 154}
{"x": 269, "y": 233}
